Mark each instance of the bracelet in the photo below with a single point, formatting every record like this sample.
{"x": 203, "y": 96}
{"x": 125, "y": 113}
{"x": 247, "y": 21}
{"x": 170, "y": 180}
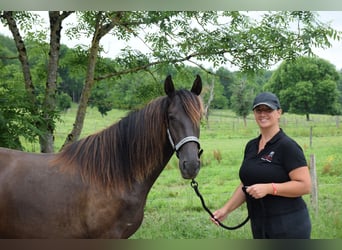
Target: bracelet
{"x": 274, "y": 189}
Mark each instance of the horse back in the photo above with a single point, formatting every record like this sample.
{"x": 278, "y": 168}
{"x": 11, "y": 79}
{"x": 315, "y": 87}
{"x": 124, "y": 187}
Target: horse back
{"x": 10, "y": 158}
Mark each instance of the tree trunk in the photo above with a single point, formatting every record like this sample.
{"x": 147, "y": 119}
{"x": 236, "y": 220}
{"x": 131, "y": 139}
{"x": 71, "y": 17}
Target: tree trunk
{"x": 307, "y": 117}
{"x": 46, "y": 123}
{"x": 22, "y": 57}
{"x": 99, "y": 32}
{"x": 210, "y": 99}
{"x": 46, "y": 140}
{"x": 83, "y": 103}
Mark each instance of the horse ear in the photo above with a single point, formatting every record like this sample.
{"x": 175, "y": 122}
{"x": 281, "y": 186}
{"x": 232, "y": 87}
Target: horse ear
{"x": 169, "y": 88}
{"x": 197, "y": 85}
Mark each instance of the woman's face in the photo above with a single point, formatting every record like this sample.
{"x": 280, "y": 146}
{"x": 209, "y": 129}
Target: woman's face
{"x": 266, "y": 117}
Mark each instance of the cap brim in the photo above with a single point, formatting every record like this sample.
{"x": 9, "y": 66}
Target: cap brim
{"x": 265, "y": 103}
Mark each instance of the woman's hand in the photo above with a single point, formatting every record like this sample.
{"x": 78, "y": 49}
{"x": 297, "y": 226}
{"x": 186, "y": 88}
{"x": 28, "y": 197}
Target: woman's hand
{"x": 234, "y": 202}
{"x": 220, "y": 215}
{"x": 259, "y": 191}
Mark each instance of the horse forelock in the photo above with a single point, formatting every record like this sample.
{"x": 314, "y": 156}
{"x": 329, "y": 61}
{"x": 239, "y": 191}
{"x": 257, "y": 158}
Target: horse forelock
{"x": 128, "y": 150}
{"x": 192, "y": 105}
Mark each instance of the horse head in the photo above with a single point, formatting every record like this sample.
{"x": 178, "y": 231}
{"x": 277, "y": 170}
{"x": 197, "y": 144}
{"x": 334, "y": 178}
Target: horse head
{"x": 183, "y": 118}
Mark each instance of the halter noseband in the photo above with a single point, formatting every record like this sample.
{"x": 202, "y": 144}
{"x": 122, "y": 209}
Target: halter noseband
{"x": 184, "y": 141}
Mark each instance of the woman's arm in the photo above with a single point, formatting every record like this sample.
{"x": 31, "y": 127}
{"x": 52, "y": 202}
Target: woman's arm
{"x": 299, "y": 185}
{"x": 237, "y": 199}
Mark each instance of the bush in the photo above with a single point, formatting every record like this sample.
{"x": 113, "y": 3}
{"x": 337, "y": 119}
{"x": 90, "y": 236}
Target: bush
{"x": 63, "y": 101}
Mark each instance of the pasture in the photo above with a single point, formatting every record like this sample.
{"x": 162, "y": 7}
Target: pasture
{"x": 173, "y": 211}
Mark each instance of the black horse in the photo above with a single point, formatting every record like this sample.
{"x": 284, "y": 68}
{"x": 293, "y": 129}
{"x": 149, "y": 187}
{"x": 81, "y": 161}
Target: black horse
{"x": 97, "y": 186}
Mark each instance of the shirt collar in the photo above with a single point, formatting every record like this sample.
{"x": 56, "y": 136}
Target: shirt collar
{"x": 275, "y": 138}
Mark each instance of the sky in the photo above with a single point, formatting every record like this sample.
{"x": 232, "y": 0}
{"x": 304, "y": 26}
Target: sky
{"x": 333, "y": 54}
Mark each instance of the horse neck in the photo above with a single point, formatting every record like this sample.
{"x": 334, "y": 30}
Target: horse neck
{"x": 152, "y": 149}
{"x": 132, "y": 151}
{"x": 158, "y": 169}
{"x": 143, "y": 134}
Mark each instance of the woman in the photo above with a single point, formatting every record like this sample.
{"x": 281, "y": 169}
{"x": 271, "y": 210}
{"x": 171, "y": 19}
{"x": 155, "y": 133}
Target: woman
{"x": 274, "y": 175}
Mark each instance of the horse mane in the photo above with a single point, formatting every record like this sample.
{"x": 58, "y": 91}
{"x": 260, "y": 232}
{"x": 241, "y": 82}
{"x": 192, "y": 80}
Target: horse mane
{"x": 129, "y": 149}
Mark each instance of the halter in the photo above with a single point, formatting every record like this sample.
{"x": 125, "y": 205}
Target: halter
{"x": 184, "y": 141}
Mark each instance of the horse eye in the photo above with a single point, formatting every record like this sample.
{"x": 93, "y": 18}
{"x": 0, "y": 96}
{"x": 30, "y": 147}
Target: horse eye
{"x": 172, "y": 117}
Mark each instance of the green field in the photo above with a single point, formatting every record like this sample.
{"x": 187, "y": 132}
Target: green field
{"x": 173, "y": 211}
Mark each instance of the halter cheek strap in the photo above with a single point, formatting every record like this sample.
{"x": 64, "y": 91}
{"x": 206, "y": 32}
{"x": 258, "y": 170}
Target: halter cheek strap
{"x": 184, "y": 141}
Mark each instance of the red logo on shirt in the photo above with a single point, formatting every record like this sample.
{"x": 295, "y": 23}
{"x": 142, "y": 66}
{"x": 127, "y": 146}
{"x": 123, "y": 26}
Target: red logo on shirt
{"x": 268, "y": 157}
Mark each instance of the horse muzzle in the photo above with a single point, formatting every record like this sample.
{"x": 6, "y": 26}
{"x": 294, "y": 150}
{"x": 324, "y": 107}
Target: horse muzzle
{"x": 190, "y": 169}
{"x": 188, "y": 151}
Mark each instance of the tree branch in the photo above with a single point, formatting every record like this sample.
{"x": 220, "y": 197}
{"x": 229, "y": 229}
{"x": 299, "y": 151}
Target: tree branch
{"x": 145, "y": 66}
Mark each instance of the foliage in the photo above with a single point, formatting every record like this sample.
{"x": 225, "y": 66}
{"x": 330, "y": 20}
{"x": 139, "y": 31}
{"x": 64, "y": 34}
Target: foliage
{"x": 303, "y": 85}
{"x": 71, "y": 71}
{"x": 47, "y": 112}
{"x": 220, "y": 101}
{"x": 16, "y": 120}
{"x": 100, "y": 98}
{"x": 170, "y": 37}
{"x": 241, "y": 99}
{"x": 339, "y": 86}
{"x": 226, "y": 78}
{"x": 63, "y": 101}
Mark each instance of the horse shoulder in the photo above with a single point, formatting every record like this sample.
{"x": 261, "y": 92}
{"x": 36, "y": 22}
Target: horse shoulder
{"x": 113, "y": 215}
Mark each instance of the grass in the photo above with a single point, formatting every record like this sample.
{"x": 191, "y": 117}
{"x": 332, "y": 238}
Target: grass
{"x": 173, "y": 211}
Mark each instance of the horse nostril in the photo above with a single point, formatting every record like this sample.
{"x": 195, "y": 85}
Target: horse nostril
{"x": 190, "y": 168}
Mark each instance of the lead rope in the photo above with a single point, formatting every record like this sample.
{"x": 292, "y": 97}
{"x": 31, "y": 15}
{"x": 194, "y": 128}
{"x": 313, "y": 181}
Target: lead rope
{"x": 194, "y": 185}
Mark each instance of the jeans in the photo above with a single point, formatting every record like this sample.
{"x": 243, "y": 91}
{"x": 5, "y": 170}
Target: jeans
{"x": 295, "y": 225}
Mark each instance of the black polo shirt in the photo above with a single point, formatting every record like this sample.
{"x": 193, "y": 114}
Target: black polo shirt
{"x": 272, "y": 164}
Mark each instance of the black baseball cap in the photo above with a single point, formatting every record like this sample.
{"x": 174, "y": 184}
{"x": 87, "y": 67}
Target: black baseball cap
{"x": 267, "y": 98}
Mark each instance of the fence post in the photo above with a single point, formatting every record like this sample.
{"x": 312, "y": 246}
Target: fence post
{"x": 314, "y": 188}
{"x": 337, "y": 121}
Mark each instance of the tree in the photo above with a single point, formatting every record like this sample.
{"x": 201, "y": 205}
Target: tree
{"x": 227, "y": 79}
{"x": 339, "y": 86}
{"x": 72, "y": 78}
{"x": 172, "y": 38}
{"x": 47, "y": 114}
{"x": 16, "y": 120}
{"x": 100, "y": 23}
{"x": 241, "y": 99}
{"x": 306, "y": 85}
